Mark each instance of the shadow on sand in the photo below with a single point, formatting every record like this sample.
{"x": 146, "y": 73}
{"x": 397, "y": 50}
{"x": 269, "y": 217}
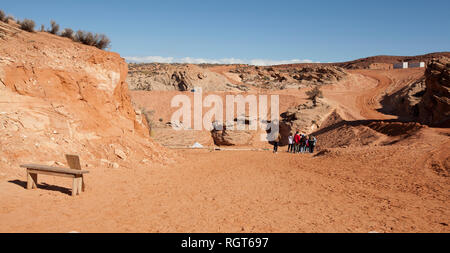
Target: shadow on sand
{"x": 43, "y": 186}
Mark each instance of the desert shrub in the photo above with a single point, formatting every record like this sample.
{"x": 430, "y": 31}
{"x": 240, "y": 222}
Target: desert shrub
{"x": 102, "y": 42}
{"x": 2, "y": 16}
{"x": 314, "y": 93}
{"x": 88, "y": 38}
{"x": 8, "y": 18}
{"x": 67, "y": 33}
{"x": 54, "y": 27}
{"x": 27, "y": 25}
{"x": 79, "y": 36}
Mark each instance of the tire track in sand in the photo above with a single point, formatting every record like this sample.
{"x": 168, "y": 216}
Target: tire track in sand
{"x": 369, "y": 102}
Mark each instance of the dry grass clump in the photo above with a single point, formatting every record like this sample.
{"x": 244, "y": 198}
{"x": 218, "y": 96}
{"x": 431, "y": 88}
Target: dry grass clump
{"x": 27, "y": 25}
{"x": 96, "y": 40}
{"x": 67, "y": 33}
{"x": 54, "y": 28}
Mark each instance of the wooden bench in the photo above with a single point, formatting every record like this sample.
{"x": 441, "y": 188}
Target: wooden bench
{"x": 74, "y": 172}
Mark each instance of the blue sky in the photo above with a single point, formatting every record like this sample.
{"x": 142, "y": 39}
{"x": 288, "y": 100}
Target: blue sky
{"x": 251, "y": 31}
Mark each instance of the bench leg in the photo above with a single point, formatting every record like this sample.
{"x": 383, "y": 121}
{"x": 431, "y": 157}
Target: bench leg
{"x": 80, "y": 182}
{"x": 83, "y": 185}
{"x": 35, "y": 180}
{"x": 75, "y": 186}
{"x": 31, "y": 180}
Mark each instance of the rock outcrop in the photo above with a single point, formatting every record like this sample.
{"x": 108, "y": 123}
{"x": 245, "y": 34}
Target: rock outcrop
{"x": 229, "y": 134}
{"x": 305, "y": 118}
{"x": 280, "y": 77}
{"x": 59, "y": 97}
{"x": 184, "y": 77}
{"x": 181, "y": 77}
{"x": 435, "y": 105}
{"x": 405, "y": 103}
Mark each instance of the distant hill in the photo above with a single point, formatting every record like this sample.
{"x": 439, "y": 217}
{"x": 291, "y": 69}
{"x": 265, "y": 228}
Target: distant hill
{"x": 365, "y": 63}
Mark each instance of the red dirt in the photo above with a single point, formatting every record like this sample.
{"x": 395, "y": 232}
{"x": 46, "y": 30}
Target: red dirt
{"x": 351, "y": 190}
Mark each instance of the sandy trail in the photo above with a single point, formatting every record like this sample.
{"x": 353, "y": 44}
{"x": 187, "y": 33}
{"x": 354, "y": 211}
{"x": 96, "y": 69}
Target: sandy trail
{"x": 359, "y": 96}
{"x": 357, "y": 190}
{"x": 369, "y": 102}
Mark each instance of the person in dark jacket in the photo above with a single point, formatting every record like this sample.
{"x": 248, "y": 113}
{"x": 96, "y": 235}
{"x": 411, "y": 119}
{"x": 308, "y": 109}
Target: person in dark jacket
{"x": 303, "y": 143}
{"x": 276, "y": 143}
{"x": 312, "y": 143}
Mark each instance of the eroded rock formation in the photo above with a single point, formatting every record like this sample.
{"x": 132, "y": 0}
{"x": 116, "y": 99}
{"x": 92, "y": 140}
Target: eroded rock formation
{"x": 182, "y": 77}
{"x": 435, "y": 105}
{"x": 228, "y": 78}
{"x": 279, "y": 77}
{"x": 59, "y": 97}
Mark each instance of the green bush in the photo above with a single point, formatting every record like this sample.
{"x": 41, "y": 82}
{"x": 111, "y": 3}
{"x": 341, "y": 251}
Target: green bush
{"x": 27, "y": 25}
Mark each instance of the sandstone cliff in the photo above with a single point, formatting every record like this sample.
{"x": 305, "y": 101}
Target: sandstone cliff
{"x": 59, "y": 97}
{"x": 435, "y": 105}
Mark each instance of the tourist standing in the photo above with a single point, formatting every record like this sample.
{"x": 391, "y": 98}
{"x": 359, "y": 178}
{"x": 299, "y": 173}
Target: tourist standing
{"x": 291, "y": 145}
{"x": 276, "y": 143}
{"x": 302, "y": 143}
{"x": 297, "y": 142}
{"x": 312, "y": 143}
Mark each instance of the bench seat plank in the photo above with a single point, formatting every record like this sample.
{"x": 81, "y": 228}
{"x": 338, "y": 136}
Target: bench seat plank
{"x": 42, "y": 172}
{"x": 39, "y": 168}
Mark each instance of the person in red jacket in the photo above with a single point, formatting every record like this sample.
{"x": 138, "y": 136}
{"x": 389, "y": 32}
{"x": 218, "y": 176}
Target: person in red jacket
{"x": 297, "y": 142}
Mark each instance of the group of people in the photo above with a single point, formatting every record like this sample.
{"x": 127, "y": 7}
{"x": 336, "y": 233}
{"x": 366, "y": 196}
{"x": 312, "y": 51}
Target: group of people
{"x": 298, "y": 143}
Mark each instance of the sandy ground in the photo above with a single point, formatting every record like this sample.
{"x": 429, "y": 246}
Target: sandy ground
{"x": 247, "y": 191}
{"x": 403, "y": 187}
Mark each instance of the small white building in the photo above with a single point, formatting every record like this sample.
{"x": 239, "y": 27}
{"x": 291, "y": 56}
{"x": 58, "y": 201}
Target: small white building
{"x": 405, "y": 65}
{"x": 401, "y": 65}
{"x": 417, "y": 64}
